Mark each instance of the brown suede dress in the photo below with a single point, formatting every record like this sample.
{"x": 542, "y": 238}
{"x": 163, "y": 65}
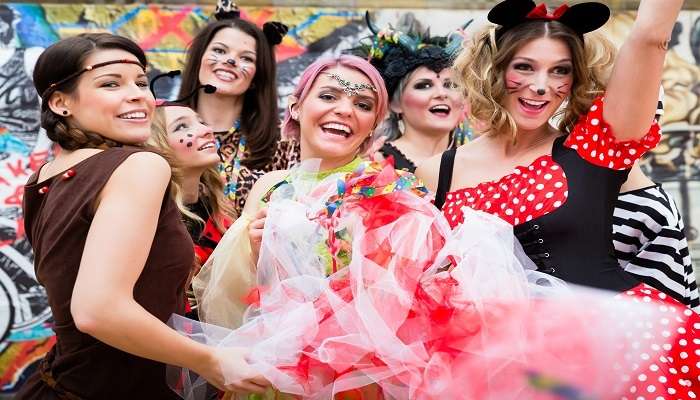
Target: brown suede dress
{"x": 58, "y": 213}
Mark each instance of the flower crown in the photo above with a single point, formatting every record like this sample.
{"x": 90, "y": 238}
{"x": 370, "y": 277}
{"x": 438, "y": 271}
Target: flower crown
{"x": 395, "y": 54}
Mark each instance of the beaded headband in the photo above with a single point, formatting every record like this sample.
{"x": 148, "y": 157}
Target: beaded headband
{"x": 90, "y": 68}
{"x": 581, "y": 18}
{"x": 351, "y": 88}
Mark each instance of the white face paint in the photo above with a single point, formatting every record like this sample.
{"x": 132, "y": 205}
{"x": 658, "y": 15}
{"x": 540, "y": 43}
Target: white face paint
{"x": 229, "y": 62}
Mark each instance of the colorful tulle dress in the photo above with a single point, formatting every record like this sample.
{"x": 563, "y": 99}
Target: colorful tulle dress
{"x": 363, "y": 291}
{"x": 561, "y": 208}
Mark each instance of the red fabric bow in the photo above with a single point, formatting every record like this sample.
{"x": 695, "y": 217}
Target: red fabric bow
{"x": 540, "y": 12}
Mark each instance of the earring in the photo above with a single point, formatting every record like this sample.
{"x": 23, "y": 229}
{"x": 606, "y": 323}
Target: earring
{"x": 65, "y": 112}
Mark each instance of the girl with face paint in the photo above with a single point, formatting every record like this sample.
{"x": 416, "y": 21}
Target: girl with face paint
{"x": 180, "y": 135}
{"x": 557, "y": 186}
{"x": 238, "y": 58}
{"x": 109, "y": 245}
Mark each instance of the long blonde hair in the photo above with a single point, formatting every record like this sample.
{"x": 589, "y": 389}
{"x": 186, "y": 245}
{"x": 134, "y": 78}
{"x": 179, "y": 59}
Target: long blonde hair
{"x": 481, "y": 68}
{"x": 211, "y": 185}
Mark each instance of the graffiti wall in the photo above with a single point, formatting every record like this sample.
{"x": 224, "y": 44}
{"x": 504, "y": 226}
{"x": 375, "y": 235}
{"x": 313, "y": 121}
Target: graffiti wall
{"x": 164, "y": 31}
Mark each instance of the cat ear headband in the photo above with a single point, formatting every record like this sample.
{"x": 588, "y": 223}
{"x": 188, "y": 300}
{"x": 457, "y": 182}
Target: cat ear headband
{"x": 274, "y": 31}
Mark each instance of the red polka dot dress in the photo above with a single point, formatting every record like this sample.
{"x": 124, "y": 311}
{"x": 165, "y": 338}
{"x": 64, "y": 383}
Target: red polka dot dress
{"x": 561, "y": 208}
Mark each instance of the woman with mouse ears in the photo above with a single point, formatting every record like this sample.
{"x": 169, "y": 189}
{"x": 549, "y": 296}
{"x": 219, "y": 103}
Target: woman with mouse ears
{"x": 109, "y": 245}
{"x": 557, "y": 186}
{"x": 426, "y": 105}
{"x": 238, "y": 58}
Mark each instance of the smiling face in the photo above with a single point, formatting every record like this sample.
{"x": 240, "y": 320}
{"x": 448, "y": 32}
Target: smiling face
{"x": 229, "y": 62}
{"x": 431, "y": 103}
{"x": 112, "y": 101}
{"x": 538, "y": 79}
{"x": 191, "y": 141}
{"x": 334, "y": 119}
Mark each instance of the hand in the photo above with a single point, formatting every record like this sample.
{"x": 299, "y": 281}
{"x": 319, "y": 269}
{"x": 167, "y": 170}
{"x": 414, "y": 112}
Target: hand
{"x": 228, "y": 370}
{"x": 255, "y": 230}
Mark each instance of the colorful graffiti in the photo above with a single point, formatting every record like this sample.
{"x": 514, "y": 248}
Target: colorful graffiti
{"x": 164, "y": 32}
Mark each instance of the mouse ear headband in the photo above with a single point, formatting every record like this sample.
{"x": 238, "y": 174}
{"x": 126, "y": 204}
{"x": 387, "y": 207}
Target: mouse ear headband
{"x": 581, "y": 18}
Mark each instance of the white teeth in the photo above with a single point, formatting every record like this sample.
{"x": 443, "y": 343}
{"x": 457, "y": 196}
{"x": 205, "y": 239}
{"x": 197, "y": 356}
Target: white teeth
{"x": 440, "y": 107}
{"x": 133, "y": 115}
{"x": 206, "y": 146}
{"x": 225, "y": 75}
{"x": 534, "y": 103}
{"x": 337, "y": 127}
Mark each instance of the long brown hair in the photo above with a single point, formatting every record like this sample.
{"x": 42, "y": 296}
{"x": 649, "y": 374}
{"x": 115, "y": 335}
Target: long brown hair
{"x": 259, "y": 120}
{"x": 481, "y": 70}
{"x": 58, "y": 62}
{"x": 211, "y": 185}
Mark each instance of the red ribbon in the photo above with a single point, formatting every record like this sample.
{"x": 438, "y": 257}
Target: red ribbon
{"x": 540, "y": 12}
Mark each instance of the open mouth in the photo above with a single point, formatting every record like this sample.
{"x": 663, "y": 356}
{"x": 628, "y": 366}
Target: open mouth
{"x": 440, "y": 109}
{"x": 133, "y": 115}
{"x": 225, "y": 75}
{"x": 207, "y": 145}
{"x": 533, "y": 105}
{"x": 335, "y": 128}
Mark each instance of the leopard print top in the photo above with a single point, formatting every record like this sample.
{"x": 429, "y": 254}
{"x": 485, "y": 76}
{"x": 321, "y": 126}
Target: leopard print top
{"x": 286, "y": 156}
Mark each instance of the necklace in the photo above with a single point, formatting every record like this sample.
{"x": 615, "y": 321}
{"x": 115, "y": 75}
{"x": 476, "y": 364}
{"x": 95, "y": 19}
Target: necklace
{"x": 228, "y": 171}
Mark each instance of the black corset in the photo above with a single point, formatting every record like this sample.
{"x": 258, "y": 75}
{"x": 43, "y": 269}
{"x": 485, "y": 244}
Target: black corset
{"x": 574, "y": 242}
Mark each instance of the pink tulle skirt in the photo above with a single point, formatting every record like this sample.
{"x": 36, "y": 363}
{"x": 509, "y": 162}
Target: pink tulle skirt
{"x": 406, "y": 308}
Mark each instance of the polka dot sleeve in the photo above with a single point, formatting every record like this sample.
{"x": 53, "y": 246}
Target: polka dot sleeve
{"x": 595, "y": 142}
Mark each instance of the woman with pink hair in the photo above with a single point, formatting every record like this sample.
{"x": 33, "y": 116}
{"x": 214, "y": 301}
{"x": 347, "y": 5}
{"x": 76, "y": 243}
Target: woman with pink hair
{"x": 336, "y": 106}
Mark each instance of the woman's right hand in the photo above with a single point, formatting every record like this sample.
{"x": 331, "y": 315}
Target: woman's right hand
{"x": 255, "y": 231}
{"x": 227, "y": 369}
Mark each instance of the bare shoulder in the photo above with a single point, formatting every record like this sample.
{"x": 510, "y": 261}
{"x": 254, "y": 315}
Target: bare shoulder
{"x": 429, "y": 170}
{"x": 141, "y": 173}
{"x": 145, "y": 164}
{"x": 261, "y": 187}
{"x": 472, "y": 149}
{"x": 270, "y": 179}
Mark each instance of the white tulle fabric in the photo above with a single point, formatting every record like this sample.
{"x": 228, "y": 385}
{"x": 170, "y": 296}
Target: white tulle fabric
{"x": 419, "y": 312}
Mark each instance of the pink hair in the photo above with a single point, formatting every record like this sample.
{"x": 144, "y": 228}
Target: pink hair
{"x": 290, "y": 127}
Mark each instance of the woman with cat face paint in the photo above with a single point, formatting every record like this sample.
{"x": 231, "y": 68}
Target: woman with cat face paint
{"x": 237, "y": 58}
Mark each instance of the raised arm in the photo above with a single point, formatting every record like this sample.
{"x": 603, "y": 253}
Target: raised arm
{"x": 632, "y": 93}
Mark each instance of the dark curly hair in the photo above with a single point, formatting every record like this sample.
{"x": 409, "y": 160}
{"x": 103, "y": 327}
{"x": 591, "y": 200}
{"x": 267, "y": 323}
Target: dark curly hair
{"x": 58, "y": 62}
